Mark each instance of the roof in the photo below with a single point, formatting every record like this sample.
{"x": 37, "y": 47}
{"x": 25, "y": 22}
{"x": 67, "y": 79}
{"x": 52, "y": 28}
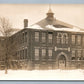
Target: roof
{"x": 51, "y": 23}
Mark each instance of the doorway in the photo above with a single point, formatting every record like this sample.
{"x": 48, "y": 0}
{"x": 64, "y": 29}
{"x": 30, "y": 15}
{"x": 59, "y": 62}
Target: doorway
{"x": 62, "y": 61}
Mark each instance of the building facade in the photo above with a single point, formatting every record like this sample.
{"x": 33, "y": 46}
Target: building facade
{"x": 48, "y": 44}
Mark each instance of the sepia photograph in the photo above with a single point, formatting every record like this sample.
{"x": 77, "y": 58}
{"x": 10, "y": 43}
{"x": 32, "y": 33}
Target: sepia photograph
{"x": 42, "y": 42}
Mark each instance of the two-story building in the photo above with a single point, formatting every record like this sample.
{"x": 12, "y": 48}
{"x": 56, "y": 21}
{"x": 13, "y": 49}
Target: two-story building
{"x": 48, "y": 44}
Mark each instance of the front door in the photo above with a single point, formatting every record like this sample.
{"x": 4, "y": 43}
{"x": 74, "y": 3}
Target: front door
{"x": 62, "y": 61}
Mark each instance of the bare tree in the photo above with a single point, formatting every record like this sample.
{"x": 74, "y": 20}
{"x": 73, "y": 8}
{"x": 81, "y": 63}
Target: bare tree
{"x": 6, "y": 31}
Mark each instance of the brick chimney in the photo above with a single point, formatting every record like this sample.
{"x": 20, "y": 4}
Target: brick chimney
{"x": 25, "y": 23}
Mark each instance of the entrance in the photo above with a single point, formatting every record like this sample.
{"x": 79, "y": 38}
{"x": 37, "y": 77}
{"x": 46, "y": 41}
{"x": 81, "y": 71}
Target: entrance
{"x": 62, "y": 61}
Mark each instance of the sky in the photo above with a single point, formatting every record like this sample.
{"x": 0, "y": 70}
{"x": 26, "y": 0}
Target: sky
{"x": 16, "y": 13}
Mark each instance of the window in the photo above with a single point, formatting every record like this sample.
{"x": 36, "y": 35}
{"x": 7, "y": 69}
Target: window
{"x": 73, "y": 55}
{"x": 36, "y": 54}
{"x": 79, "y": 53}
{"x": 50, "y": 53}
{"x": 50, "y": 37}
{"x": 25, "y": 53}
{"x": 73, "y": 39}
{"x": 43, "y": 37}
{"x": 83, "y": 41}
{"x": 21, "y": 57}
{"x": 36, "y": 36}
{"x": 22, "y": 37}
{"x": 25, "y": 36}
{"x": 78, "y": 39}
{"x": 43, "y": 53}
{"x": 59, "y": 36}
{"x": 83, "y": 55}
{"x": 65, "y": 39}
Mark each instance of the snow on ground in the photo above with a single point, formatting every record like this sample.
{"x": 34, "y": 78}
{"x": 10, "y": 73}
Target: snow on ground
{"x": 42, "y": 75}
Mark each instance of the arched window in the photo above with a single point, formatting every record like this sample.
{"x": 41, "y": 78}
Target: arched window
{"x": 59, "y": 36}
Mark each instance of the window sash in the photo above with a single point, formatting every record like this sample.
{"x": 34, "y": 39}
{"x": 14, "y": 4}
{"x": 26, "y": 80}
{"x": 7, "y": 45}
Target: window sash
{"x": 79, "y": 53}
{"x": 78, "y": 40}
{"x": 73, "y": 39}
{"x": 43, "y": 52}
{"x": 36, "y": 36}
{"x": 73, "y": 53}
{"x": 50, "y": 38}
{"x": 50, "y": 52}
{"x": 43, "y": 37}
{"x": 36, "y": 54}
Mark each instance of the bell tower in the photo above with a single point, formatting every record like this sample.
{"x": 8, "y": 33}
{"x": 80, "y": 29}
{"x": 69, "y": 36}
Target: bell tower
{"x": 50, "y": 14}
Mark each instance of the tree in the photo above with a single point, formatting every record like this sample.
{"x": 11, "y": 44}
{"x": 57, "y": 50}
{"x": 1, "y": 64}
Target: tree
{"x": 6, "y": 31}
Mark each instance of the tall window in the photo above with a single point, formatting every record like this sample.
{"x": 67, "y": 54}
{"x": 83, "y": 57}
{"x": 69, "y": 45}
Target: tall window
{"x": 73, "y": 39}
{"x": 65, "y": 39}
{"x": 25, "y": 53}
{"x": 43, "y": 53}
{"x": 83, "y": 41}
{"x": 36, "y": 36}
{"x": 50, "y": 53}
{"x": 59, "y": 38}
{"x": 36, "y": 53}
{"x": 21, "y": 54}
{"x": 73, "y": 54}
{"x": 79, "y": 55}
{"x": 25, "y": 36}
{"x": 83, "y": 54}
{"x": 50, "y": 37}
{"x": 78, "y": 39}
{"x": 43, "y": 37}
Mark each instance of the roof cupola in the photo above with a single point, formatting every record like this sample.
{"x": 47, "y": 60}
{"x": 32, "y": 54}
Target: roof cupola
{"x": 50, "y": 14}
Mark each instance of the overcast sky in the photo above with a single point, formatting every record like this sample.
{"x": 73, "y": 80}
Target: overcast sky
{"x": 70, "y": 13}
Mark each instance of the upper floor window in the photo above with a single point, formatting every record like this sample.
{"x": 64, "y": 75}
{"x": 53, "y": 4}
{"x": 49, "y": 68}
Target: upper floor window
{"x": 43, "y": 37}
{"x": 36, "y": 53}
{"x": 62, "y": 38}
{"x": 59, "y": 36}
{"x": 25, "y": 36}
{"x": 73, "y": 39}
{"x": 50, "y": 37}
{"x": 65, "y": 38}
{"x": 36, "y": 36}
{"x": 78, "y": 39}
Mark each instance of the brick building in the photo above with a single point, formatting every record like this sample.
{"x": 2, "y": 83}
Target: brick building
{"x": 48, "y": 44}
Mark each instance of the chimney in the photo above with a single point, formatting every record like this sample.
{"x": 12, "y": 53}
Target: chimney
{"x": 25, "y": 23}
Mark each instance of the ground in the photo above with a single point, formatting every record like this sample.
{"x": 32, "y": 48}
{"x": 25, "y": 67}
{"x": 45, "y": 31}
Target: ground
{"x": 42, "y": 75}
